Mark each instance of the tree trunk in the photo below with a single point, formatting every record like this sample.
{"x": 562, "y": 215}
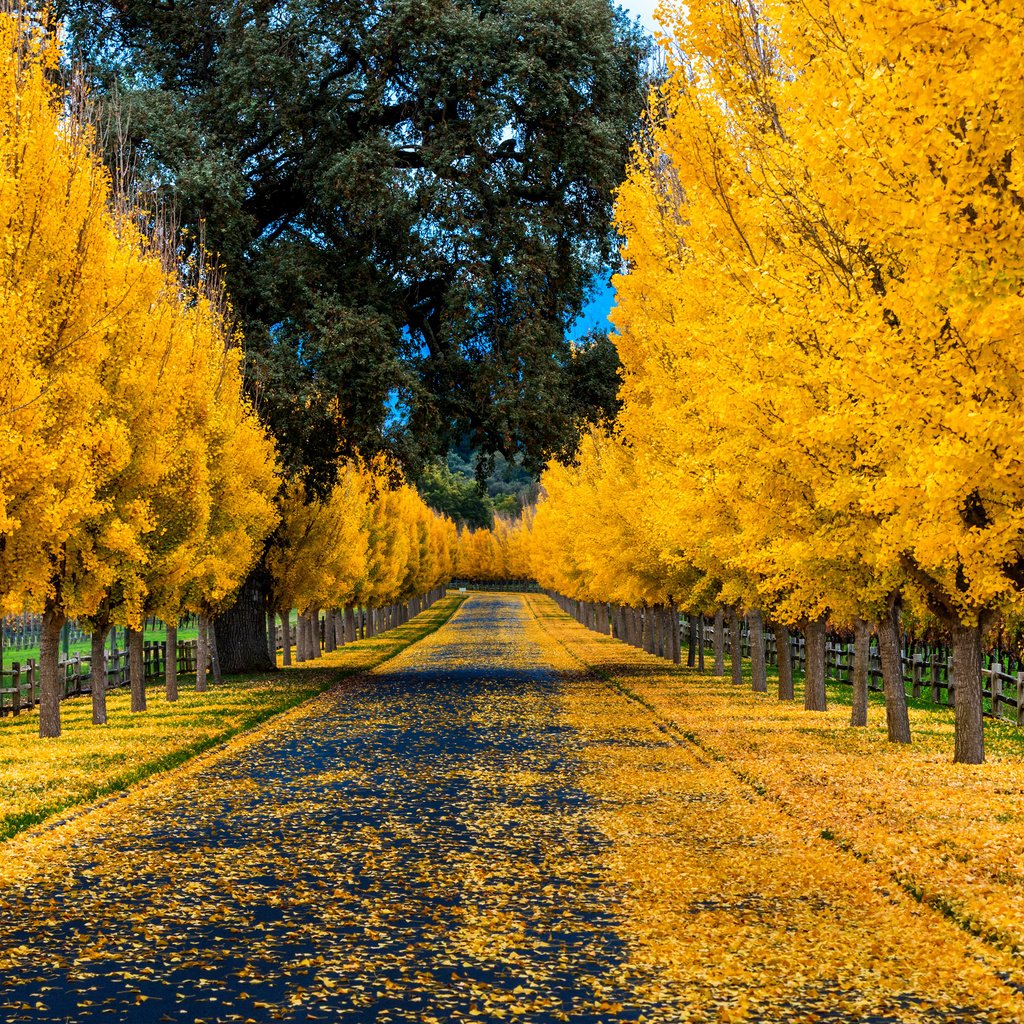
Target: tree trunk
{"x": 211, "y": 643}
{"x": 242, "y": 629}
{"x": 814, "y": 678}
{"x": 314, "y": 622}
{"x": 202, "y": 655}
{"x": 271, "y": 635}
{"x": 350, "y": 624}
{"x": 785, "y": 658}
{"x": 861, "y": 653}
{"x": 736, "y": 646}
{"x": 136, "y": 669}
{"x": 286, "y": 637}
{"x": 675, "y": 633}
{"x": 691, "y": 641}
{"x": 758, "y": 668}
{"x": 968, "y": 730}
{"x": 50, "y": 683}
{"x": 171, "y": 662}
{"x": 700, "y": 643}
{"x": 720, "y": 642}
{"x": 98, "y": 674}
{"x": 897, "y": 719}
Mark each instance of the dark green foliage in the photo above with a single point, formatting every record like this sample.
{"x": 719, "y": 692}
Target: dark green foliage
{"x": 459, "y": 488}
{"x": 458, "y": 496}
{"x": 410, "y": 199}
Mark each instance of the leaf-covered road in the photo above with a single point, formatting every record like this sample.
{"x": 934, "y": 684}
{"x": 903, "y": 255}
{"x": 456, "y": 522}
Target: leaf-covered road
{"x": 415, "y": 848}
{"x": 476, "y": 831}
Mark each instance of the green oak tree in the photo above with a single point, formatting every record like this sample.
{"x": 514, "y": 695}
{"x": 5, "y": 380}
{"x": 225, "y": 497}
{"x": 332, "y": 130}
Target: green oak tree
{"x": 409, "y": 198}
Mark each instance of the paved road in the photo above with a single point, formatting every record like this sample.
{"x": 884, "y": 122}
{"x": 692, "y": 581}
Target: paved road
{"x": 414, "y": 849}
{"x": 475, "y": 832}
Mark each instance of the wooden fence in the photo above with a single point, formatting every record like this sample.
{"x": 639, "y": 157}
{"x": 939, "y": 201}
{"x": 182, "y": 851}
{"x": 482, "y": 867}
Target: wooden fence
{"x": 21, "y": 632}
{"x": 514, "y": 586}
{"x": 927, "y": 673}
{"x": 927, "y": 668}
{"x": 19, "y": 684}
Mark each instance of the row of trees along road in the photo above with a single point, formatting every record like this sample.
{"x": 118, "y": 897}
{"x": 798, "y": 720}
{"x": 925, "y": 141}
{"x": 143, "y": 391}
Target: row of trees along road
{"x": 370, "y": 542}
{"x": 502, "y": 553}
{"x": 135, "y": 477}
{"x": 410, "y": 200}
{"x": 820, "y": 327}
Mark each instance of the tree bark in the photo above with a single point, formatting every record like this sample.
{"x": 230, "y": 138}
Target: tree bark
{"x": 720, "y": 642}
{"x": 171, "y": 662}
{"x": 736, "y": 646}
{"x": 700, "y": 643}
{"x": 897, "y": 719}
{"x": 242, "y": 629}
{"x": 968, "y": 730}
{"x": 350, "y": 624}
{"x": 645, "y": 629}
{"x": 50, "y": 683}
{"x": 136, "y": 669}
{"x": 211, "y": 643}
{"x": 271, "y": 635}
{"x": 314, "y": 622}
{"x": 98, "y": 674}
{"x": 202, "y": 655}
{"x": 691, "y": 641}
{"x": 286, "y": 637}
{"x": 785, "y": 658}
{"x": 675, "y": 634}
{"x": 814, "y": 678}
{"x": 861, "y": 653}
{"x": 758, "y": 668}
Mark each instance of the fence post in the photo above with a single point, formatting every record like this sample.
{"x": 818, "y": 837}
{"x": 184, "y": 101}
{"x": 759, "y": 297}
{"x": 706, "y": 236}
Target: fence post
{"x": 1020, "y": 698}
{"x": 996, "y": 686}
{"x": 16, "y": 682}
{"x": 917, "y": 671}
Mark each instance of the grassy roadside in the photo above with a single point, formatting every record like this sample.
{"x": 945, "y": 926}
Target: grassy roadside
{"x": 948, "y": 835}
{"x": 43, "y": 778}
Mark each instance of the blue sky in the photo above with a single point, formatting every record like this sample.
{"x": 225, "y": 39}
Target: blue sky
{"x": 595, "y": 314}
{"x": 642, "y": 9}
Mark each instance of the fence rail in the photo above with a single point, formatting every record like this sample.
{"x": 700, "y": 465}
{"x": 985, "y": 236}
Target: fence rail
{"x": 927, "y": 668}
{"x": 19, "y": 684}
{"x": 927, "y": 674}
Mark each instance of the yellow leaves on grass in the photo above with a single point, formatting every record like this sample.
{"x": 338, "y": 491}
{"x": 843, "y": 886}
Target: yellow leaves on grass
{"x": 775, "y": 864}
